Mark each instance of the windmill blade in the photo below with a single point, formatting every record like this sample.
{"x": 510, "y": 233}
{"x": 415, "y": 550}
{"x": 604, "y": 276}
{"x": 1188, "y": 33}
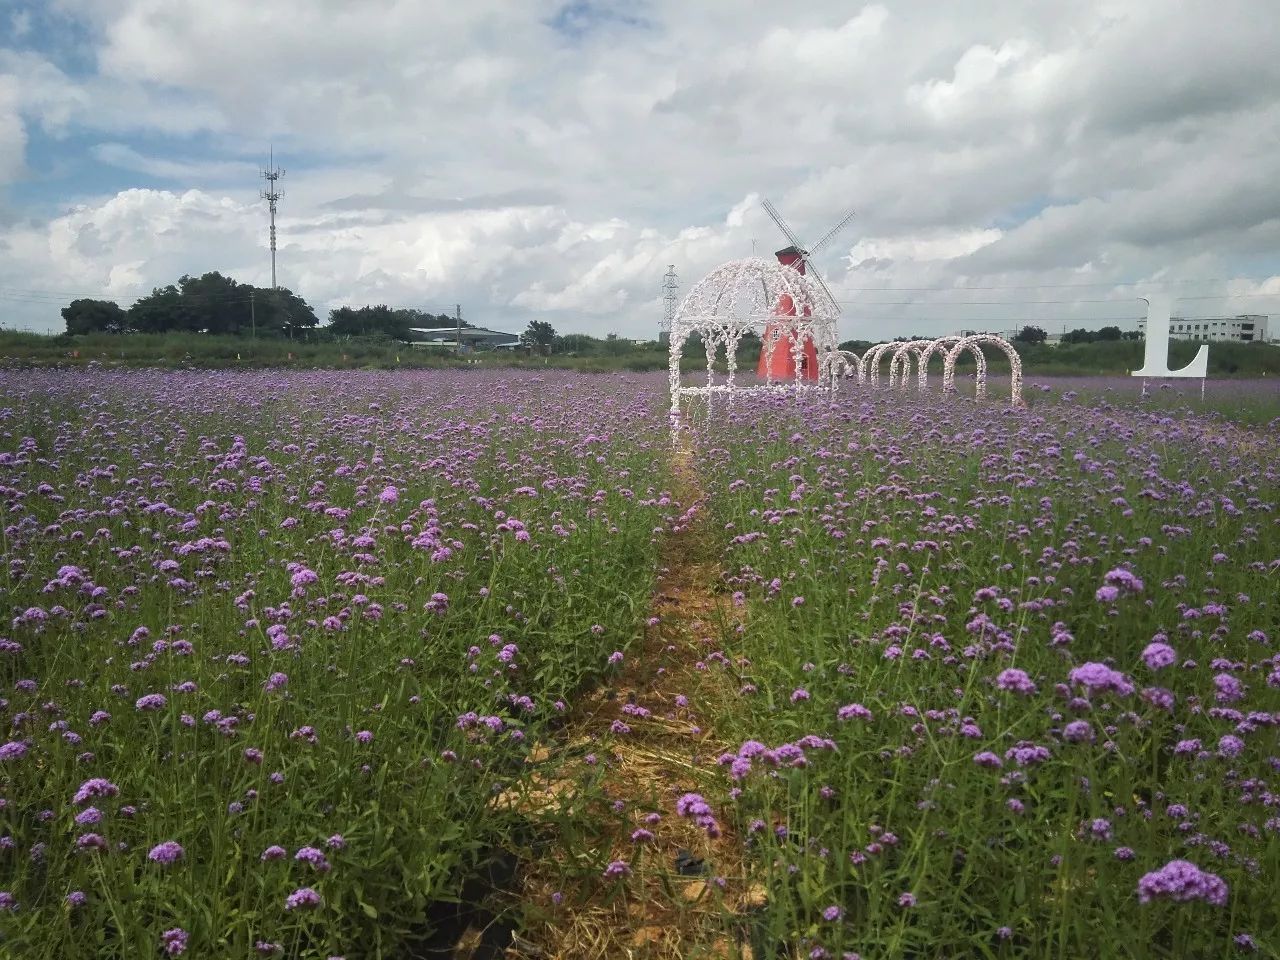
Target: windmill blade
{"x": 782, "y": 224}
{"x": 812, "y": 272}
{"x": 831, "y": 234}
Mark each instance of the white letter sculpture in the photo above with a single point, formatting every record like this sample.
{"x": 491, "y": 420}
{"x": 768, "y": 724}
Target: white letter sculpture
{"x": 1156, "y": 361}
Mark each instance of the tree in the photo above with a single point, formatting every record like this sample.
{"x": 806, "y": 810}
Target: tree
{"x": 94, "y": 316}
{"x": 215, "y": 304}
{"x": 1030, "y": 334}
{"x": 539, "y": 335}
{"x": 1079, "y": 335}
{"x": 280, "y": 311}
{"x": 1110, "y": 333}
{"x": 161, "y": 311}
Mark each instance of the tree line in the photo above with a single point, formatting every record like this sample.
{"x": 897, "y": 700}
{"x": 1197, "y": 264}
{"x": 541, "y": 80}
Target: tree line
{"x": 216, "y": 304}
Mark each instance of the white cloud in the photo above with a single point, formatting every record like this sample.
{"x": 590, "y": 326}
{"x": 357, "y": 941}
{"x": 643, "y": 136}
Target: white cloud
{"x": 938, "y": 247}
{"x": 13, "y": 132}
{"x": 468, "y": 152}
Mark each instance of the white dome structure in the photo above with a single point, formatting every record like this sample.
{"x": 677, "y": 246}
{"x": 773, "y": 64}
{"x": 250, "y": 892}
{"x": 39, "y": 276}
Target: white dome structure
{"x": 786, "y": 308}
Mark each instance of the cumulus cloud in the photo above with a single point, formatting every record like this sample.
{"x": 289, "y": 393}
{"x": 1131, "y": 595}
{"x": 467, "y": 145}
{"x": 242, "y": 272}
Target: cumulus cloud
{"x": 549, "y": 159}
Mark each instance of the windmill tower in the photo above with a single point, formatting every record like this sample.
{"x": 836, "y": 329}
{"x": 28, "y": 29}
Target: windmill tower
{"x": 670, "y": 292}
{"x": 781, "y": 364}
{"x": 270, "y": 194}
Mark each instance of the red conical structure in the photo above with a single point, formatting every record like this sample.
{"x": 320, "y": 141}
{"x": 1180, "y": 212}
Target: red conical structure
{"x": 781, "y": 364}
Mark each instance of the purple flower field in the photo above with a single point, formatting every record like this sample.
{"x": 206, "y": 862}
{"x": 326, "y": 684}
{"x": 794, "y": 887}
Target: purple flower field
{"x": 274, "y": 642}
{"x": 1009, "y": 677}
{"x": 281, "y": 647}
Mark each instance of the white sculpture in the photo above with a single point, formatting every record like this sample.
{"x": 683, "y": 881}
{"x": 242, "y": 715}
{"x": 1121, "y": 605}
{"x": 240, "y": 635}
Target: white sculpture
{"x": 1155, "y": 362}
{"x": 783, "y": 306}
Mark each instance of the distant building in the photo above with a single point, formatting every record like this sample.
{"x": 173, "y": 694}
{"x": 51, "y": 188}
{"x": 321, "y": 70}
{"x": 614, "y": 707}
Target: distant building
{"x": 1246, "y": 328}
{"x": 467, "y": 339}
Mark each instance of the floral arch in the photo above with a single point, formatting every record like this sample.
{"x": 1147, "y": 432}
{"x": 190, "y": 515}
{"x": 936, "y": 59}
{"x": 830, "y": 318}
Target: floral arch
{"x": 903, "y": 353}
{"x": 787, "y": 309}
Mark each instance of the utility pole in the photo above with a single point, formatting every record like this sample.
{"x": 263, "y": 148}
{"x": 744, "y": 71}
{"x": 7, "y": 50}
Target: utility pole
{"x": 457, "y": 308}
{"x": 272, "y": 196}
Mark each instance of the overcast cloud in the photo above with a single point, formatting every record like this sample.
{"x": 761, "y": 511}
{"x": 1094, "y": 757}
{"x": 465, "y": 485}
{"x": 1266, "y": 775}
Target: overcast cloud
{"x": 533, "y": 159}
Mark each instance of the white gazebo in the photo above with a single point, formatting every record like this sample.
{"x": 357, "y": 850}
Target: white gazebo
{"x": 785, "y": 307}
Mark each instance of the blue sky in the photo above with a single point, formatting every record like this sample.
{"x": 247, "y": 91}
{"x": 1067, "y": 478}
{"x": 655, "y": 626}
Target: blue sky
{"x": 547, "y": 160}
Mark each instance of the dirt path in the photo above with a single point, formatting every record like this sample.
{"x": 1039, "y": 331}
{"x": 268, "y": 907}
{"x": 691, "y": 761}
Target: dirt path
{"x": 683, "y": 882}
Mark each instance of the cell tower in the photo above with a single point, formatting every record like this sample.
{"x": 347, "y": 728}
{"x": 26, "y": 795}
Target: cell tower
{"x": 670, "y": 289}
{"x": 272, "y": 195}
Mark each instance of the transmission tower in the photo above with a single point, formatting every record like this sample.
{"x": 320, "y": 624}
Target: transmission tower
{"x": 670, "y": 288}
{"x": 272, "y": 196}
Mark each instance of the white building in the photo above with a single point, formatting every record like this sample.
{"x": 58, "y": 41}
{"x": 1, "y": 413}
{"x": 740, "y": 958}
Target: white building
{"x": 1246, "y": 328}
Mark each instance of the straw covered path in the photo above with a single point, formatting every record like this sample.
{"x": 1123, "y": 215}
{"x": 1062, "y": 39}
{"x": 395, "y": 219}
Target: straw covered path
{"x": 684, "y": 887}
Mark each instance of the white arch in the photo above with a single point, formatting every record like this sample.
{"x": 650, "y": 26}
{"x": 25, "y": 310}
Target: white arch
{"x": 922, "y": 362}
{"x": 900, "y": 362}
{"x": 951, "y": 348}
{"x": 839, "y": 364}
{"x": 871, "y": 362}
{"x": 744, "y": 296}
{"x": 973, "y": 344}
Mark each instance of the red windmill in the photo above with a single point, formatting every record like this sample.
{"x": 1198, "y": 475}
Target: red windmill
{"x": 779, "y": 363}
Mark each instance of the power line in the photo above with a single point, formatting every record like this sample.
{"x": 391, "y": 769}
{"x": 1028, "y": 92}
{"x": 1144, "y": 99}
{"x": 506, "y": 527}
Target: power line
{"x": 991, "y": 303}
{"x": 971, "y": 320}
{"x": 1058, "y": 286}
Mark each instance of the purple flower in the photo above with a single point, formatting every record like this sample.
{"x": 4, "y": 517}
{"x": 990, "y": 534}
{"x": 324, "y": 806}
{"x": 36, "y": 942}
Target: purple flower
{"x": 96, "y": 787}
{"x": 276, "y": 681}
{"x": 616, "y": 869}
{"x": 174, "y": 941}
{"x": 987, "y": 759}
{"x": 1230, "y": 746}
{"x": 615, "y": 657}
{"x": 1027, "y": 754}
{"x": 302, "y": 898}
{"x": 91, "y": 841}
{"x": 907, "y": 900}
{"x": 1078, "y": 731}
{"x": 168, "y": 852}
{"x": 13, "y": 750}
{"x": 1180, "y": 881}
{"x": 274, "y": 852}
{"x": 851, "y": 710}
{"x": 1228, "y": 689}
{"x": 1157, "y": 655}
{"x": 314, "y": 857}
{"x": 365, "y": 736}
{"x": 151, "y": 702}
{"x": 800, "y": 693}
{"x": 1099, "y": 678}
{"x": 389, "y": 494}
{"x": 1016, "y": 681}
{"x": 76, "y": 898}
{"x": 832, "y": 913}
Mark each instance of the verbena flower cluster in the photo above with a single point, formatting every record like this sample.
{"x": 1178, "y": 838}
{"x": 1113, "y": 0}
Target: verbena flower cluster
{"x": 275, "y": 642}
